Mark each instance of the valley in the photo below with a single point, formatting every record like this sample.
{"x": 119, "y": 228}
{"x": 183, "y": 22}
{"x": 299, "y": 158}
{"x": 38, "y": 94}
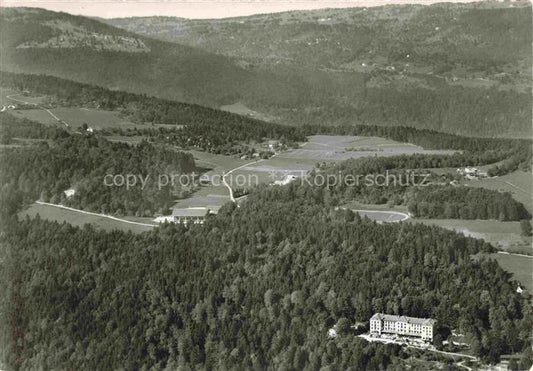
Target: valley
{"x": 319, "y": 190}
{"x": 405, "y": 81}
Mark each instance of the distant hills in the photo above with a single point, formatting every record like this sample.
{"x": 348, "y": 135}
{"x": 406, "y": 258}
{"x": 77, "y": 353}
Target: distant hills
{"x": 86, "y": 50}
{"x": 461, "y": 40}
{"x": 464, "y": 69}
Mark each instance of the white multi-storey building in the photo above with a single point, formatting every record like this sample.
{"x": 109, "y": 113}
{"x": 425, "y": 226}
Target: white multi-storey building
{"x": 402, "y": 326}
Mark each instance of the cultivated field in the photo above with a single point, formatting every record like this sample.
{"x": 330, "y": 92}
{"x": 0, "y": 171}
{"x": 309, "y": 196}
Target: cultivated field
{"x": 319, "y": 148}
{"x": 324, "y": 148}
{"x": 341, "y": 147}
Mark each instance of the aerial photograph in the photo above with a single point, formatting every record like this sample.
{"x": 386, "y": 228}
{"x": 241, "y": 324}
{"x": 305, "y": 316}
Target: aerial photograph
{"x": 319, "y": 185}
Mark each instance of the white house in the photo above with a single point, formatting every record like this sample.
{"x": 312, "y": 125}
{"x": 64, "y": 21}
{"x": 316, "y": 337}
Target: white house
{"x": 70, "y": 192}
{"x": 286, "y": 180}
{"x": 272, "y": 144}
{"x": 402, "y": 326}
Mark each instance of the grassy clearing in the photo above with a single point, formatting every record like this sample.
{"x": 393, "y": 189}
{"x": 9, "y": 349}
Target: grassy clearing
{"x": 216, "y": 162}
{"x": 382, "y": 216}
{"x": 78, "y": 219}
{"x": 76, "y": 117}
{"x": 240, "y": 109}
{"x": 97, "y": 119}
{"x": 505, "y": 235}
{"x": 214, "y": 195}
{"x": 204, "y": 198}
{"x": 519, "y": 266}
{"x": 359, "y": 206}
{"x": 38, "y": 115}
{"x": 518, "y": 183}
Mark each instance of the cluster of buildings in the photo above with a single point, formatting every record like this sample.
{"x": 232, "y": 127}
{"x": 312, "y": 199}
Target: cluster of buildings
{"x": 186, "y": 216}
{"x": 472, "y": 173}
{"x": 402, "y": 326}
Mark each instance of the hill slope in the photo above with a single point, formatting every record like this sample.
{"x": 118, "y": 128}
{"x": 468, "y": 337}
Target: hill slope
{"x": 460, "y": 40}
{"x": 312, "y": 83}
{"x": 85, "y": 50}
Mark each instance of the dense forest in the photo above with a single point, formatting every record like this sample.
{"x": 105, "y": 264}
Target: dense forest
{"x": 45, "y": 170}
{"x": 392, "y": 180}
{"x": 256, "y": 286}
{"x": 12, "y": 127}
{"x": 464, "y": 203}
{"x": 259, "y": 285}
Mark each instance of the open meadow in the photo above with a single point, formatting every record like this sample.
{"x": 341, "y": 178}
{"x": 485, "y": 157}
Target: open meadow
{"x": 79, "y": 219}
{"x": 240, "y": 109}
{"x": 504, "y": 235}
{"x": 216, "y": 194}
{"x": 518, "y": 183}
{"x": 343, "y": 147}
{"x": 323, "y": 148}
{"x": 76, "y": 117}
{"x": 519, "y": 266}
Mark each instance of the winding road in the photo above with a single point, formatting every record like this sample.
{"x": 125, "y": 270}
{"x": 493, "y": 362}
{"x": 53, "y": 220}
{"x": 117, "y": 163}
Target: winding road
{"x": 237, "y": 168}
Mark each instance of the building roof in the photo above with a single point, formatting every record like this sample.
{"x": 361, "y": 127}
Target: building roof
{"x": 394, "y": 318}
{"x": 190, "y": 212}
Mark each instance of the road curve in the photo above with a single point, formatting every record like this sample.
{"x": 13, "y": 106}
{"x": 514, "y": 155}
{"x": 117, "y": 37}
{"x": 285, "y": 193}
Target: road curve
{"x": 237, "y": 168}
{"x": 404, "y": 216}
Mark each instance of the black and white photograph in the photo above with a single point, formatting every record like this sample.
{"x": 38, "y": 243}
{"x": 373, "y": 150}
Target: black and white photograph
{"x": 319, "y": 185}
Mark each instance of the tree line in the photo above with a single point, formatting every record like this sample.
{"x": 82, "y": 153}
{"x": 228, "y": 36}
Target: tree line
{"x": 464, "y": 203}
{"x": 404, "y": 182}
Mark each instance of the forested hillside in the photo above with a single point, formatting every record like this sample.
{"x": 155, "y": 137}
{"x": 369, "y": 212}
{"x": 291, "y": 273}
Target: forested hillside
{"x": 142, "y": 65}
{"x": 396, "y": 90}
{"x": 45, "y": 170}
{"x": 257, "y": 286}
{"x": 198, "y": 127}
{"x": 447, "y": 67}
{"x": 409, "y": 181}
{"x": 447, "y": 39}
{"x": 464, "y": 203}
{"x": 222, "y": 132}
